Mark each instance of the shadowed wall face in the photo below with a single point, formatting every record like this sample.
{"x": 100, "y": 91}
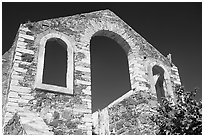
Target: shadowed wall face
{"x": 109, "y": 66}
{"x": 55, "y": 63}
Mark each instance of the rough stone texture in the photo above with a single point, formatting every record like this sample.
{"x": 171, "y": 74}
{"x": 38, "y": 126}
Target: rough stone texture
{"x": 14, "y": 126}
{"x": 60, "y": 113}
{"x": 7, "y": 59}
{"x": 128, "y": 115}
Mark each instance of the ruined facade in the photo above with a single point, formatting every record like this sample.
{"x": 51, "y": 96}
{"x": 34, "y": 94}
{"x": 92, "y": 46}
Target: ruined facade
{"x": 32, "y": 106}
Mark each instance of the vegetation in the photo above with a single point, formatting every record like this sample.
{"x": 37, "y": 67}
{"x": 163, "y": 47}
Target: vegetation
{"x": 184, "y": 117}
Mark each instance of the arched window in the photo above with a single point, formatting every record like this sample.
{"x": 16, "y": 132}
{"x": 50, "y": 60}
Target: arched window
{"x": 55, "y": 63}
{"x": 159, "y": 82}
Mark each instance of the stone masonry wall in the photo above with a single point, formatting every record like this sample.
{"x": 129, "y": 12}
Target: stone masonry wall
{"x": 6, "y": 72}
{"x": 131, "y": 115}
{"x": 50, "y": 112}
{"x": 56, "y": 113}
{"x": 128, "y": 115}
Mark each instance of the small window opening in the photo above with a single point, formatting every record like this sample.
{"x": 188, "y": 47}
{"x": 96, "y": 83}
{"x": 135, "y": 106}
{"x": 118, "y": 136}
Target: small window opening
{"x": 55, "y": 62}
{"x": 158, "y": 75}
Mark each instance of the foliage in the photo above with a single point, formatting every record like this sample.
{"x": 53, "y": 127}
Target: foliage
{"x": 181, "y": 118}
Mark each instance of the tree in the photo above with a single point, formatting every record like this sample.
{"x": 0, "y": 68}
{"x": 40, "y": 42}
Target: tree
{"x": 184, "y": 117}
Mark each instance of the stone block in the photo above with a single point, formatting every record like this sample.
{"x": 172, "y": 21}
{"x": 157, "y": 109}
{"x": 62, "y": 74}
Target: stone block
{"x": 176, "y": 73}
{"x": 174, "y": 68}
{"x": 16, "y": 77}
{"x": 21, "y": 39}
{"x": 85, "y": 60}
{"x": 13, "y": 109}
{"x": 80, "y": 68}
{"x": 25, "y": 51}
{"x": 11, "y": 99}
{"x": 82, "y": 44}
{"x": 23, "y": 62}
{"x": 86, "y": 100}
{"x": 24, "y": 29}
{"x": 88, "y": 105}
{"x": 20, "y": 89}
{"x": 26, "y": 36}
{"x": 15, "y": 104}
{"x": 86, "y": 76}
{"x": 18, "y": 69}
{"x": 88, "y": 88}
{"x": 14, "y": 82}
{"x": 23, "y": 101}
{"x": 87, "y": 92}
{"x": 85, "y": 52}
{"x": 21, "y": 43}
{"x": 21, "y": 46}
{"x": 18, "y": 54}
{"x": 17, "y": 58}
{"x": 82, "y": 82}
{"x": 177, "y": 82}
{"x": 27, "y": 97}
{"x": 13, "y": 95}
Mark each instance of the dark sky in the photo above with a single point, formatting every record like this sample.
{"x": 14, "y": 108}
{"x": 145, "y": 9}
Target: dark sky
{"x": 174, "y": 28}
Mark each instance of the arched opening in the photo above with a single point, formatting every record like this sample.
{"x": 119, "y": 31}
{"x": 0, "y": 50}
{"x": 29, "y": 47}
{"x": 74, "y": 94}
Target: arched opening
{"x": 109, "y": 71}
{"x": 55, "y": 62}
{"x": 159, "y": 82}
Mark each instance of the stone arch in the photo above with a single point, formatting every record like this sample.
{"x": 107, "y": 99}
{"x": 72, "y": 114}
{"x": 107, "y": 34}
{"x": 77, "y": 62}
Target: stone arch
{"x": 114, "y": 31}
{"x": 41, "y": 42}
{"x": 108, "y": 45}
{"x": 110, "y": 34}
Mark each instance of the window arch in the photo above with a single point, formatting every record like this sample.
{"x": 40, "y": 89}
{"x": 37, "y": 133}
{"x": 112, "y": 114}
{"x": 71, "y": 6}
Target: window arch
{"x": 55, "y": 62}
{"x": 43, "y": 41}
{"x": 159, "y": 80}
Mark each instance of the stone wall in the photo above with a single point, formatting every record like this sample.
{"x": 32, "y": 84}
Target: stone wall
{"x": 44, "y": 111}
{"x": 6, "y": 73}
{"x": 128, "y": 115}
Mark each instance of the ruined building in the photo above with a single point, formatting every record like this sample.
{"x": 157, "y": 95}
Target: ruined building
{"x": 32, "y": 105}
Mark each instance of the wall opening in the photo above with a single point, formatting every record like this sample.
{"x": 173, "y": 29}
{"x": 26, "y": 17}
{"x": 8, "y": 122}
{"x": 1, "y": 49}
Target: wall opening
{"x": 158, "y": 75}
{"x": 55, "y": 62}
{"x": 109, "y": 71}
